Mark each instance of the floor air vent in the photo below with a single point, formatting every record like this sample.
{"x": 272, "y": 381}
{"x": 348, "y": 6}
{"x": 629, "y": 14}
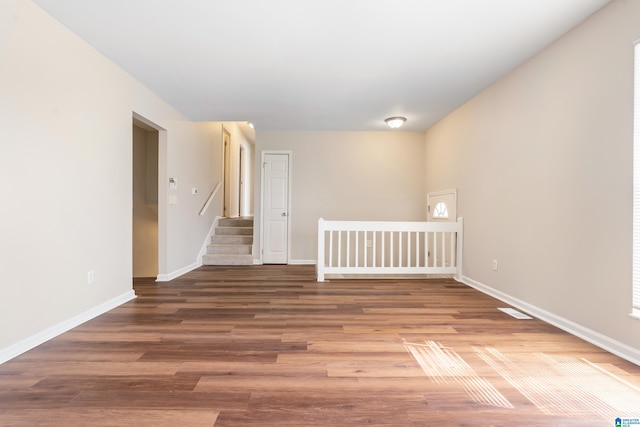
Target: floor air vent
{"x": 514, "y": 313}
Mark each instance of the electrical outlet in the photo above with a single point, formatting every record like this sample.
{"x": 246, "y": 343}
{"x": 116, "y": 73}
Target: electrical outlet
{"x": 494, "y": 265}
{"x": 90, "y": 277}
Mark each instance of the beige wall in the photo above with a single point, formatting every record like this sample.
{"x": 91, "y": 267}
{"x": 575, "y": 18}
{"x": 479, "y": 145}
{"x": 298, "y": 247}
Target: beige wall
{"x": 346, "y": 176}
{"x": 543, "y": 163}
{"x": 66, "y": 160}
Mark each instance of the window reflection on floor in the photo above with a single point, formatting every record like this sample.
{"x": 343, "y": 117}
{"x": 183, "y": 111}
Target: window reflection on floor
{"x": 555, "y": 384}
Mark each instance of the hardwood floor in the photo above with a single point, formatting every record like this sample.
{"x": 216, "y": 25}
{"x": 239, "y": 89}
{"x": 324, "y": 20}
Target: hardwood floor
{"x": 267, "y": 346}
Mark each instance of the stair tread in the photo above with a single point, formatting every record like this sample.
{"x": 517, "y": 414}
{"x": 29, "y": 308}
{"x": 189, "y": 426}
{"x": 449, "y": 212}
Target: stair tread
{"x": 231, "y": 238}
{"x": 234, "y": 230}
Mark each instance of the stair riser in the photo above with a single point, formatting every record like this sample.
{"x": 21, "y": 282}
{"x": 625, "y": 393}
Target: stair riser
{"x": 234, "y": 231}
{"x": 210, "y": 259}
{"x": 233, "y": 222}
{"x": 229, "y": 249}
{"x": 232, "y": 240}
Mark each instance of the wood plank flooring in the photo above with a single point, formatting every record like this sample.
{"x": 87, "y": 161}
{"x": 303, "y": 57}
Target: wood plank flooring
{"x": 267, "y": 346}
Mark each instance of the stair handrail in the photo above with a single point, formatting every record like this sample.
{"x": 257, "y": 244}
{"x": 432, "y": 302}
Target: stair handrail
{"x": 210, "y": 199}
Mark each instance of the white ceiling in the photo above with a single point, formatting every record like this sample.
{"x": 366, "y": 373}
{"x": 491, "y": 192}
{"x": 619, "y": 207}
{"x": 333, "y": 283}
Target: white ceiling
{"x": 319, "y": 64}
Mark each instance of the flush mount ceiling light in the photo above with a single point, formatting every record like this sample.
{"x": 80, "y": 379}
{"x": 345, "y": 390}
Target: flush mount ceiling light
{"x": 395, "y": 122}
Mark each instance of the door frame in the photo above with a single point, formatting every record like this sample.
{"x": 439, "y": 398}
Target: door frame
{"x": 242, "y": 180}
{"x": 263, "y": 154}
{"x": 163, "y": 180}
{"x": 226, "y": 172}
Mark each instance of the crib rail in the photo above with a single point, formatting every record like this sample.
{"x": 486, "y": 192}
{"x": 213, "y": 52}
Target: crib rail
{"x": 388, "y": 248}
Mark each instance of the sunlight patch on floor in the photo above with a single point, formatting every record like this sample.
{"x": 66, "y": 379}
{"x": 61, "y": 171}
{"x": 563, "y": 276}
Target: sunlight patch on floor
{"x": 557, "y": 385}
{"x": 443, "y": 364}
{"x": 544, "y": 384}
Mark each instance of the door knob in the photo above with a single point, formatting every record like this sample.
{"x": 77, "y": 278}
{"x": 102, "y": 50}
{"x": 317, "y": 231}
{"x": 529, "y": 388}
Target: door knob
{"x": 284, "y": 214}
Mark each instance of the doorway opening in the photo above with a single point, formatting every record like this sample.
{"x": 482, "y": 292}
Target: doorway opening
{"x": 241, "y": 180}
{"x": 226, "y": 165}
{"x": 147, "y": 218}
{"x": 238, "y": 145}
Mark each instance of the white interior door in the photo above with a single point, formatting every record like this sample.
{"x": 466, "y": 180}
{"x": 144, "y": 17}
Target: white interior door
{"x": 275, "y": 219}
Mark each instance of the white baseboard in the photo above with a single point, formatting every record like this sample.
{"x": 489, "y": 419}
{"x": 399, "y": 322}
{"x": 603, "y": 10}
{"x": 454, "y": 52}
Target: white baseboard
{"x": 52, "y": 332}
{"x": 174, "y": 274}
{"x": 616, "y": 347}
{"x": 198, "y": 263}
{"x": 302, "y": 262}
{"x": 290, "y": 262}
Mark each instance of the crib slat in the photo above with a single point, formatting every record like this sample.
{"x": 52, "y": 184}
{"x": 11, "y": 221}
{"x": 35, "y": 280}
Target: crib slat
{"x": 330, "y": 248}
{"x": 364, "y": 258}
{"x": 357, "y": 247}
{"x": 435, "y": 249}
{"x": 443, "y": 250}
{"x": 409, "y": 234}
{"x": 339, "y": 249}
{"x": 349, "y": 248}
{"x": 426, "y": 248}
{"x": 452, "y": 247}
{"x": 374, "y": 247}
{"x": 391, "y": 257}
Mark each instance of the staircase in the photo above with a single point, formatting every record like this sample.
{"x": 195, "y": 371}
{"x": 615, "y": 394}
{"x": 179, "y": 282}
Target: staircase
{"x": 232, "y": 243}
